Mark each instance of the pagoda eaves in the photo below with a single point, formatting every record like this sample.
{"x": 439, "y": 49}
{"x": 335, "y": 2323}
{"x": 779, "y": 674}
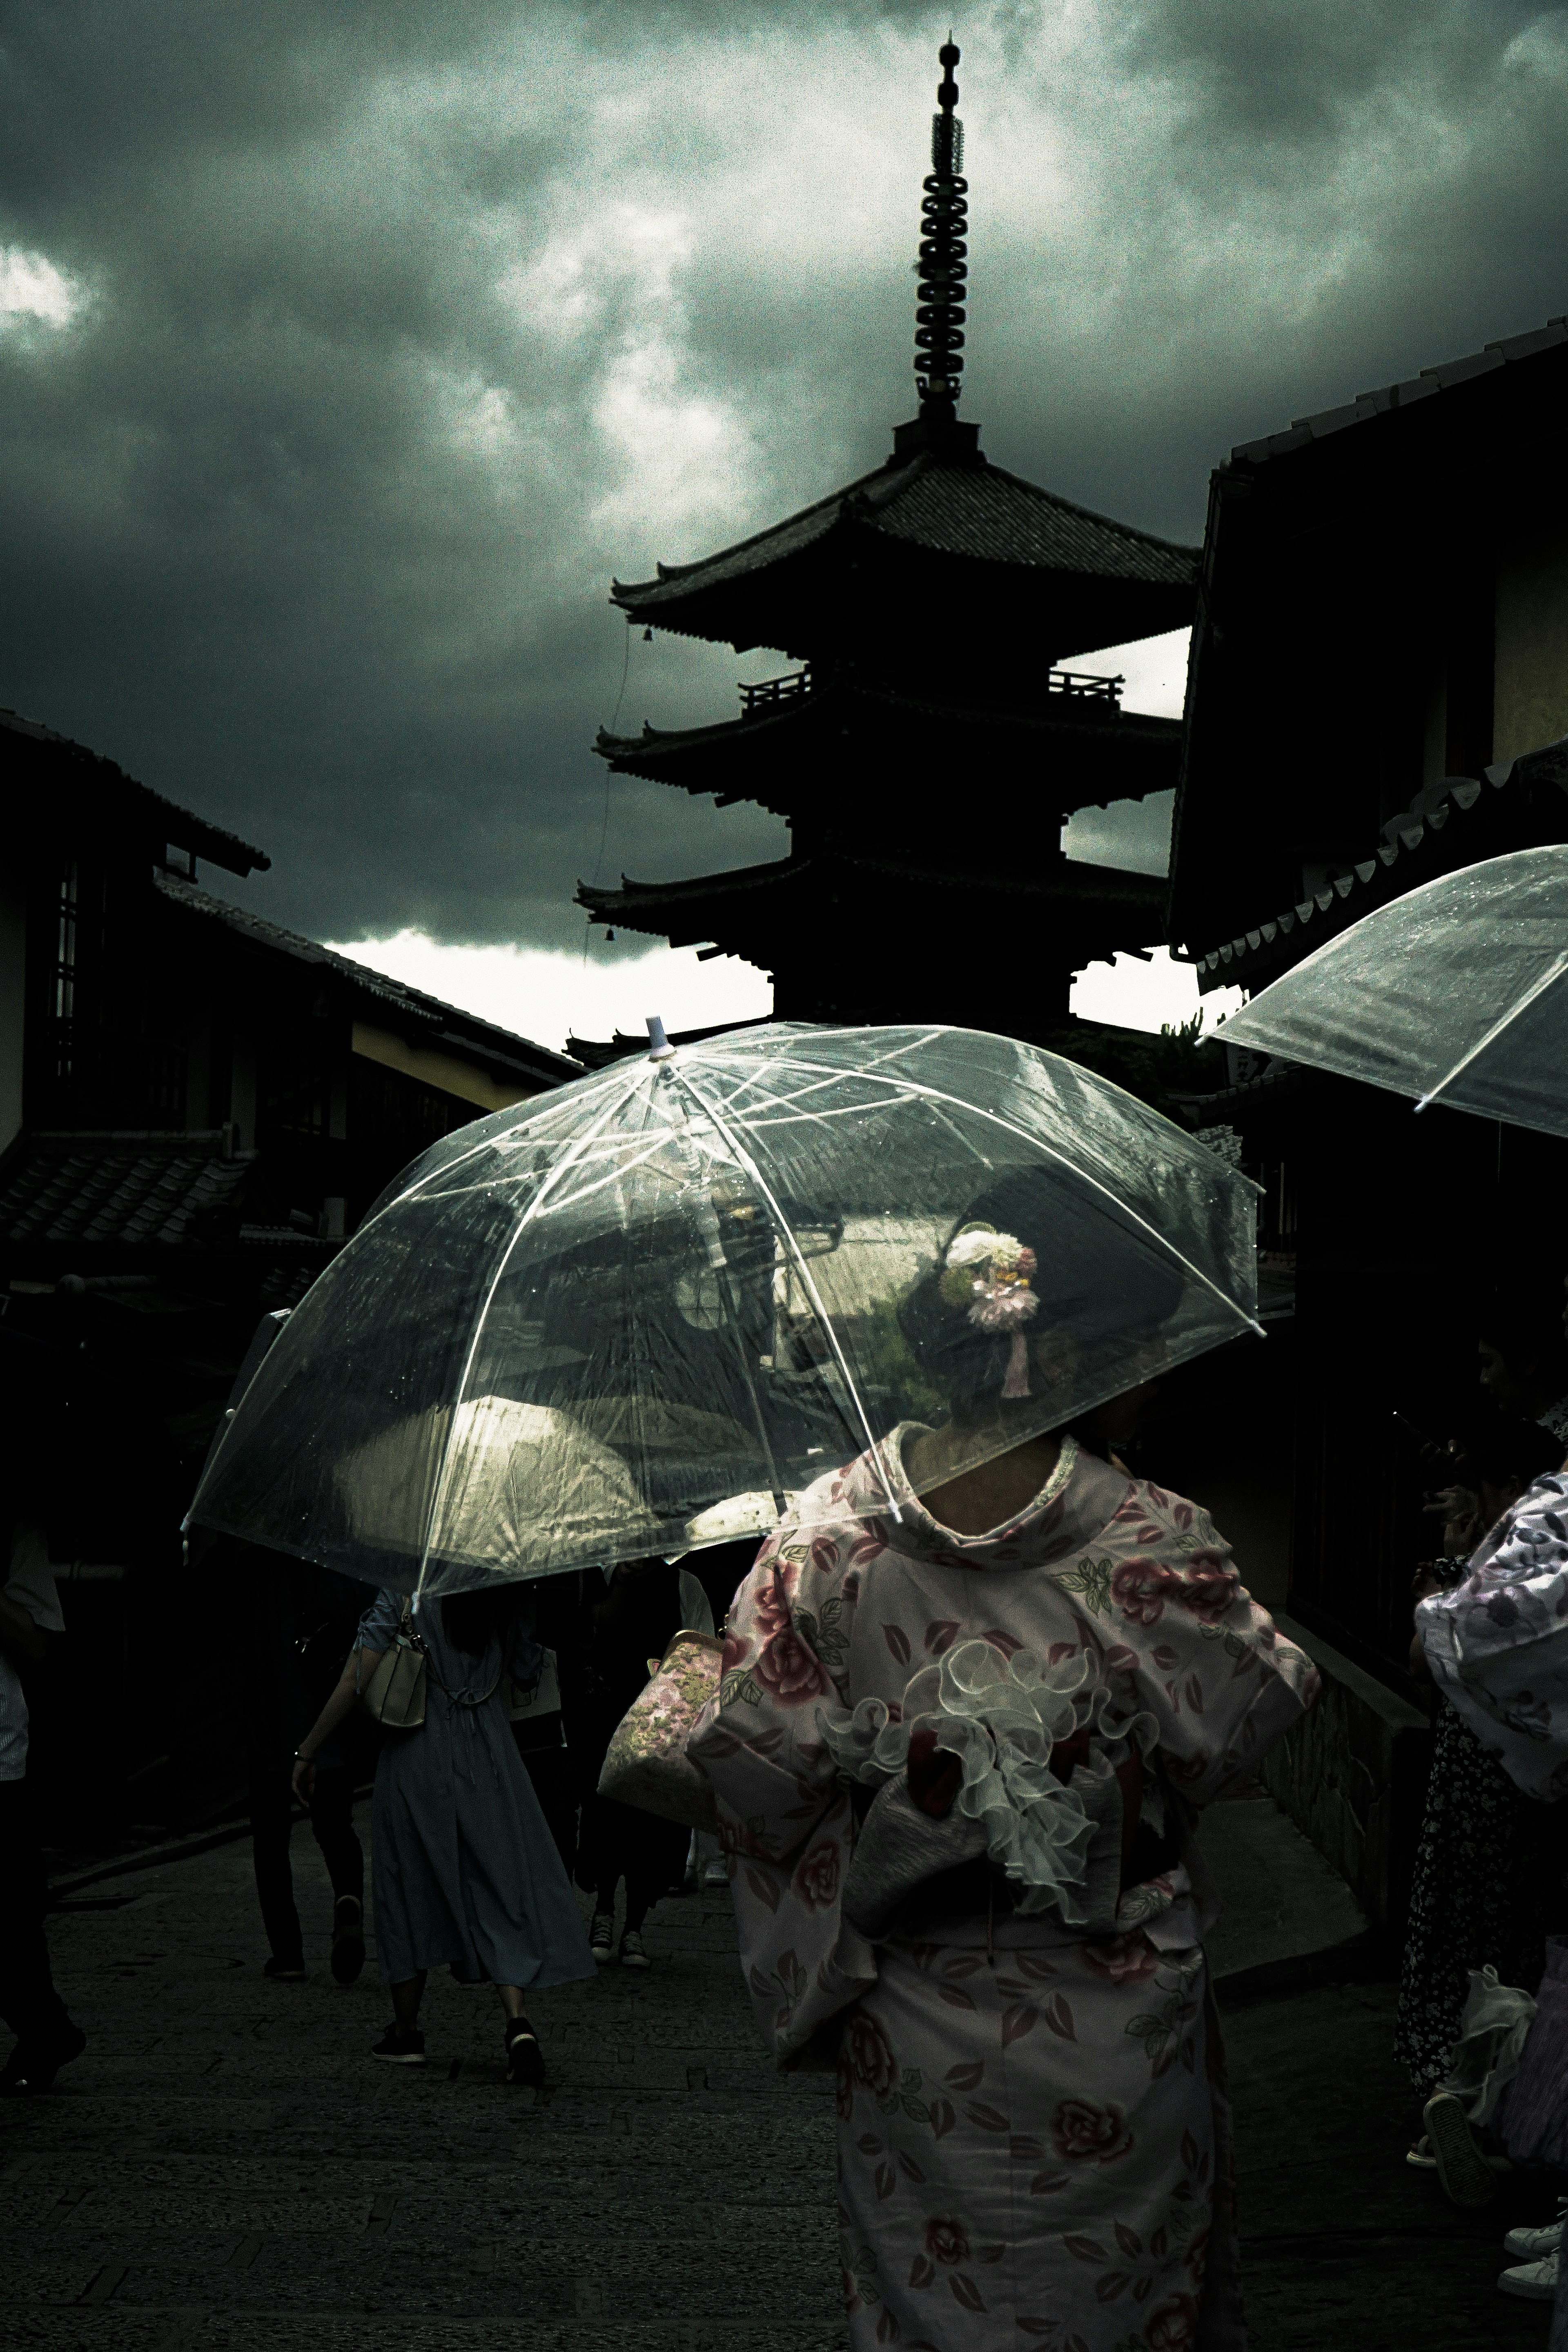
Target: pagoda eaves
{"x": 793, "y": 755}
{"x": 988, "y": 940}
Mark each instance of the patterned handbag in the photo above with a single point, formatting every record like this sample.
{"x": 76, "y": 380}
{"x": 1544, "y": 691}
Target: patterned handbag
{"x": 647, "y": 1764}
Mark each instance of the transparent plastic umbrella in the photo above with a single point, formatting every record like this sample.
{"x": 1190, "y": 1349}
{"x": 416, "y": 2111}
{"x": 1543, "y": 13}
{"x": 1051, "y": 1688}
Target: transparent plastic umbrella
{"x": 646, "y": 1312}
{"x": 1455, "y": 993}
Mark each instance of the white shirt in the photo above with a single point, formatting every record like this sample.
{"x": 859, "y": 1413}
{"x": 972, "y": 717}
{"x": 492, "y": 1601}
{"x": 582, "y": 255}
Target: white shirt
{"x": 29, "y": 1585}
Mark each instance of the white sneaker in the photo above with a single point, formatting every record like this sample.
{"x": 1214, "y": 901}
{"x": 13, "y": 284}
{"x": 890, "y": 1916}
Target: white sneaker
{"x": 716, "y": 1874}
{"x": 1528, "y": 2245}
{"x": 1536, "y": 2280}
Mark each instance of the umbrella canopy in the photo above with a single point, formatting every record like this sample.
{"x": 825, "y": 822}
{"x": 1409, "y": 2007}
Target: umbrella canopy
{"x": 646, "y": 1311}
{"x": 1454, "y": 993}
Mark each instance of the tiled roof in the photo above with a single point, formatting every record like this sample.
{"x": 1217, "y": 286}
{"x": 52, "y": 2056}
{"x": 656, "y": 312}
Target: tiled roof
{"x": 155, "y": 1190}
{"x": 1303, "y": 430}
{"x": 451, "y": 1025}
{"x": 164, "y": 819}
{"x": 1376, "y": 879}
{"x": 977, "y": 510}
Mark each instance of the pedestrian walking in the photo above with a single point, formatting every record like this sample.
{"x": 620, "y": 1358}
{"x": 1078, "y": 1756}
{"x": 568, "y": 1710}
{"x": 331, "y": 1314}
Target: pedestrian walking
{"x": 1029, "y": 1667}
{"x": 292, "y": 1627}
{"x": 47, "y": 2038}
{"x": 1487, "y": 1885}
{"x": 626, "y": 1618}
{"x": 465, "y": 1873}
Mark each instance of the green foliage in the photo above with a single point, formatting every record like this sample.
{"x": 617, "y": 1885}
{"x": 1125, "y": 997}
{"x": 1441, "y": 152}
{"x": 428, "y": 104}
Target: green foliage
{"x": 1180, "y": 1061}
{"x": 883, "y": 1358}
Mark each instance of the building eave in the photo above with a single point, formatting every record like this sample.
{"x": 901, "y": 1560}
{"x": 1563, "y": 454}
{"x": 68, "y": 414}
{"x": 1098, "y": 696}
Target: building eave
{"x": 1420, "y": 845}
{"x": 123, "y": 802}
{"x": 438, "y": 1023}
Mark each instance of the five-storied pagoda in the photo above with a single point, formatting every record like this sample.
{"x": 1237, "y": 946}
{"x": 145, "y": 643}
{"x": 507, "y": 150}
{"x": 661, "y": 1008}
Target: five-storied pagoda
{"x": 929, "y": 750}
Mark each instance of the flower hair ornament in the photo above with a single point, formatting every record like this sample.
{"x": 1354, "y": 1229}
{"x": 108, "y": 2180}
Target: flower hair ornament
{"x": 990, "y": 1273}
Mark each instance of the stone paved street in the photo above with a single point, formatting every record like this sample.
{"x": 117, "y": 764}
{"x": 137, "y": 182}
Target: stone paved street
{"x": 227, "y": 2168}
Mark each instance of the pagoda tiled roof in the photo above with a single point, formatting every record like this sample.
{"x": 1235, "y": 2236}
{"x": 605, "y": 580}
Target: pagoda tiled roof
{"x": 945, "y": 508}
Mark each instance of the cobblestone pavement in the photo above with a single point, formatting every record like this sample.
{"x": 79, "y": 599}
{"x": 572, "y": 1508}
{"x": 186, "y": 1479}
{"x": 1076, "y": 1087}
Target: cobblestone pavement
{"x": 226, "y": 2168}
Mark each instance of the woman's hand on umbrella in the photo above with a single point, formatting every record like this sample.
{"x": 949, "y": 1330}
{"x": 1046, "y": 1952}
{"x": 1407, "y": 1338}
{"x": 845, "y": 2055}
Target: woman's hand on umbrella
{"x": 304, "y": 1777}
{"x": 1463, "y": 1526}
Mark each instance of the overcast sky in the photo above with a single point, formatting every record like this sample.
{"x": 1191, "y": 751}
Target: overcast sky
{"x": 347, "y": 351}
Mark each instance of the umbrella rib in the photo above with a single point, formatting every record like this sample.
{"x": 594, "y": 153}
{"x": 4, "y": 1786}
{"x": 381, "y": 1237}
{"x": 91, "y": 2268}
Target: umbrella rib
{"x": 592, "y": 1136}
{"x": 978, "y": 1110}
{"x": 744, "y": 1156}
{"x": 490, "y": 1144}
{"x": 1522, "y": 1004}
{"x": 586, "y": 1190}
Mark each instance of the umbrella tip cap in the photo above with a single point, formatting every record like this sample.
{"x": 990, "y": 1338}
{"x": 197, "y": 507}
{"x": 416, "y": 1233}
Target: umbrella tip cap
{"x": 659, "y": 1048}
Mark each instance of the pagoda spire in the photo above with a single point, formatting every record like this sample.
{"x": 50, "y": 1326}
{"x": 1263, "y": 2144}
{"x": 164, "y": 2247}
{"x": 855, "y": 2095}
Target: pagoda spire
{"x": 943, "y": 265}
{"x": 942, "y": 268}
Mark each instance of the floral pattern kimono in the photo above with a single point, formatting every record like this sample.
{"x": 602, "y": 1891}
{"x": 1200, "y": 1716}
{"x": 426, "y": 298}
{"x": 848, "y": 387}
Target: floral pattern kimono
{"x": 1034, "y": 2145}
{"x": 1498, "y": 1642}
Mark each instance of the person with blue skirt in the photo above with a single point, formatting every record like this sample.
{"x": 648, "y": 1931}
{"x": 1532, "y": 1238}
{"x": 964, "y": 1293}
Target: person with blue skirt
{"x": 465, "y": 1874}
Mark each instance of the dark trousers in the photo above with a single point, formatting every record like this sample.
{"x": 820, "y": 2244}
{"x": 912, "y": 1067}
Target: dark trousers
{"x": 618, "y": 1841}
{"x": 331, "y": 1819}
{"x": 554, "y": 1778}
{"x": 28, "y": 2001}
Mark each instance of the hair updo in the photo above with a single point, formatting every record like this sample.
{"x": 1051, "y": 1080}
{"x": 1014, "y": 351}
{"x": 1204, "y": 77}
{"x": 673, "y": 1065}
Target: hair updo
{"x": 1088, "y": 1281}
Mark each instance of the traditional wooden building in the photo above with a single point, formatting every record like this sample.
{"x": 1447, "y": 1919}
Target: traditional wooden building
{"x": 196, "y": 1107}
{"x": 931, "y": 745}
{"x": 1378, "y": 685}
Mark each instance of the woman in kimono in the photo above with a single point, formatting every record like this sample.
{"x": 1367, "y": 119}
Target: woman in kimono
{"x": 957, "y": 1752}
{"x": 464, "y": 1871}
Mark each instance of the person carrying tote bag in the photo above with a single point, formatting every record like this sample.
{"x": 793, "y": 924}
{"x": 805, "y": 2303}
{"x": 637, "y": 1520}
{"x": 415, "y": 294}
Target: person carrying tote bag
{"x": 465, "y": 1873}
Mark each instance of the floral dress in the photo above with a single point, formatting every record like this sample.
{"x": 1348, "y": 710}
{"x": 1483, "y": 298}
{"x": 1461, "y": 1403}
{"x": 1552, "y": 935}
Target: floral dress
{"x": 1498, "y": 1642}
{"x": 1034, "y": 2139}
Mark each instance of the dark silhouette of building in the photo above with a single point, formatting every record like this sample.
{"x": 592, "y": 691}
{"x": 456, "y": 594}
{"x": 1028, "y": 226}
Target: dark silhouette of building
{"x": 1378, "y": 685}
{"x": 930, "y": 748}
{"x": 196, "y": 1107}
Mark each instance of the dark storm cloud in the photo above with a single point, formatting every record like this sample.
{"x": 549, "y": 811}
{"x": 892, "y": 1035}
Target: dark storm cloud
{"x": 400, "y": 328}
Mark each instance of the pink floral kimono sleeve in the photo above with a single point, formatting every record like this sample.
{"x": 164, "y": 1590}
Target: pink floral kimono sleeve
{"x": 783, "y": 1814}
{"x": 1195, "y": 1651}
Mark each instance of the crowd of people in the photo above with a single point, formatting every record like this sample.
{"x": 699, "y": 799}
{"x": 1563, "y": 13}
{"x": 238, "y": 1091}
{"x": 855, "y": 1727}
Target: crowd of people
{"x": 959, "y": 1749}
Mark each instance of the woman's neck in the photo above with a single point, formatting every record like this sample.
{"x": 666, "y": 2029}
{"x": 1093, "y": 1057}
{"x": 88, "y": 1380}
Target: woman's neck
{"x": 973, "y": 1501}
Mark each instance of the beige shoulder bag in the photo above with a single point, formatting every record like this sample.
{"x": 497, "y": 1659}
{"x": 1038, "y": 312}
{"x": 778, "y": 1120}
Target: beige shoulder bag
{"x": 395, "y": 1694}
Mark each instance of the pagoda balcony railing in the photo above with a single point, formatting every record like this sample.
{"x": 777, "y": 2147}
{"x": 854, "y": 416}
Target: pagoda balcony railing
{"x": 1075, "y": 684}
{"x": 1081, "y": 686}
{"x": 770, "y": 691}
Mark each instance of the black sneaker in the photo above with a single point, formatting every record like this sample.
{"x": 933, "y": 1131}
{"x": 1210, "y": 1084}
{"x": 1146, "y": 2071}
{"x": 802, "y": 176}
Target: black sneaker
{"x": 27, "y": 2071}
{"x": 284, "y": 1971}
{"x": 347, "y": 1938}
{"x": 602, "y": 1938}
{"x": 524, "y": 2058}
{"x": 401, "y": 2049}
